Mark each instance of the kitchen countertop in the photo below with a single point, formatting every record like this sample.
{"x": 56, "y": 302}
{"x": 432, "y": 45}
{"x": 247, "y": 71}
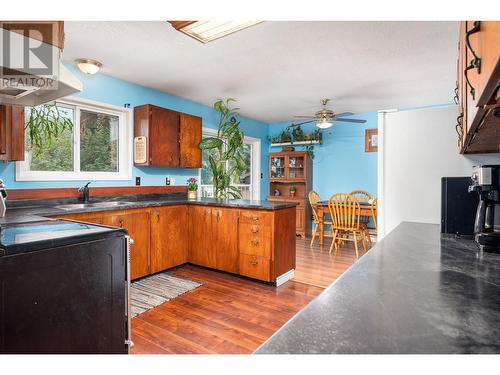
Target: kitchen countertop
{"x": 36, "y": 210}
{"x": 414, "y": 292}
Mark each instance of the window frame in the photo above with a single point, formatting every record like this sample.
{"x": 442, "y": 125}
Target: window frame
{"x": 124, "y": 147}
{"x": 255, "y": 162}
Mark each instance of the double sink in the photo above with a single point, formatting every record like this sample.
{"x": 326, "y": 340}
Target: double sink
{"x": 79, "y": 206}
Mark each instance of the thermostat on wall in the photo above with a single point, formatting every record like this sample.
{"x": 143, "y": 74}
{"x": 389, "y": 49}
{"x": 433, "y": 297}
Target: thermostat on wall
{"x": 140, "y": 150}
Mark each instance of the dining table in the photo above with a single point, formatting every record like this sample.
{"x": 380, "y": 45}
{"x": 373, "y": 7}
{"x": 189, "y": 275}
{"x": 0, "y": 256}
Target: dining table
{"x": 365, "y": 209}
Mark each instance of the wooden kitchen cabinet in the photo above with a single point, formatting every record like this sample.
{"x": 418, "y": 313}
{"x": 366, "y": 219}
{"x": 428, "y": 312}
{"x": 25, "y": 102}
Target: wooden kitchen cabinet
{"x": 137, "y": 224}
{"x": 200, "y": 250}
{"x": 169, "y": 237}
{"x": 225, "y": 238}
{"x": 11, "y": 132}
{"x": 50, "y": 32}
{"x": 189, "y": 139}
{"x": 255, "y": 243}
{"x": 477, "y": 91}
{"x": 172, "y": 138}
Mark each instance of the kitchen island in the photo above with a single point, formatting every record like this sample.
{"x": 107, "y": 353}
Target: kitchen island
{"x": 255, "y": 239}
{"x": 414, "y": 292}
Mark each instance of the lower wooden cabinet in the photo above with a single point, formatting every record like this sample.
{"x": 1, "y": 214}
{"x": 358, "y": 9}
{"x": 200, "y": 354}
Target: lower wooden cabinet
{"x": 225, "y": 238}
{"x": 138, "y": 226}
{"x": 169, "y": 237}
{"x": 255, "y": 267}
{"x": 254, "y": 243}
{"x": 200, "y": 250}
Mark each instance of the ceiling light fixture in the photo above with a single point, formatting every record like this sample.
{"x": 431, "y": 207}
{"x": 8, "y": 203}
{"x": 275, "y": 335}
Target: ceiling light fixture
{"x": 88, "y": 66}
{"x": 207, "y": 31}
{"x": 324, "y": 124}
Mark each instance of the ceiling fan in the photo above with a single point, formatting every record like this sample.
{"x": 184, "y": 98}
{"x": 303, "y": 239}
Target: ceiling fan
{"x": 324, "y": 118}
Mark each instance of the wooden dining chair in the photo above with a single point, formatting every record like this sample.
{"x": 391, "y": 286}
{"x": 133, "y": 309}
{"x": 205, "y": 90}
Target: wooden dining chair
{"x": 362, "y": 196}
{"x": 345, "y": 210}
{"x": 314, "y": 198}
{"x": 374, "y": 213}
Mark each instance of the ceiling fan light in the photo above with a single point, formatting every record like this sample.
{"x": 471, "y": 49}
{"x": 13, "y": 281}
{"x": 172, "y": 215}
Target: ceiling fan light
{"x": 324, "y": 124}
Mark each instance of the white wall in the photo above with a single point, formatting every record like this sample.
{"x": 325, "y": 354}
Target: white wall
{"x": 416, "y": 149}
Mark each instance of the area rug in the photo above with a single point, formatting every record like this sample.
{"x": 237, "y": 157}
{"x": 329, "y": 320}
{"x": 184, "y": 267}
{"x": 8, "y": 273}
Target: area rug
{"x": 152, "y": 291}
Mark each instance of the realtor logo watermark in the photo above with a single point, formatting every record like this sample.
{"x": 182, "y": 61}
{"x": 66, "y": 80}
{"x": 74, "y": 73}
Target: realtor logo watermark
{"x": 28, "y": 58}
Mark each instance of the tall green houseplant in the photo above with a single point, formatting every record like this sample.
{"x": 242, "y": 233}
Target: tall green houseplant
{"x": 226, "y": 159}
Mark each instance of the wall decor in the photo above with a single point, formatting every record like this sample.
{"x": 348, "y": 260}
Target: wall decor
{"x": 371, "y": 140}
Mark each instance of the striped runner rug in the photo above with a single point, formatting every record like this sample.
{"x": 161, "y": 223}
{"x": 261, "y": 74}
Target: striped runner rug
{"x": 152, "y": 291}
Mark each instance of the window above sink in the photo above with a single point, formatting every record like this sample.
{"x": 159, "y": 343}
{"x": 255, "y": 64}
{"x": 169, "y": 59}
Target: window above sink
{"x": 97, "y": 148}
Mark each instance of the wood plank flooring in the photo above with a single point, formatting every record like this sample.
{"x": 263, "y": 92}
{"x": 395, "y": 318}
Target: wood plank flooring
{"x": 234, "y": 315}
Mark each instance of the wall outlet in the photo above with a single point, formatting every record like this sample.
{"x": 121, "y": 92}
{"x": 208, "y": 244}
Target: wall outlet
{"x": 172, "y": 181}
{"x": 137, "y": 181}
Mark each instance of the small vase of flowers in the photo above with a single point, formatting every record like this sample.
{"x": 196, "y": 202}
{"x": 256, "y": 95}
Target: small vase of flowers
{"x": 192, "y": 188}
{"x": 292, "y": 191}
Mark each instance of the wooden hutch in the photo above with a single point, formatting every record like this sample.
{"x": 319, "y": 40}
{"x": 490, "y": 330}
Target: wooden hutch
{"x": 290, "y": 169}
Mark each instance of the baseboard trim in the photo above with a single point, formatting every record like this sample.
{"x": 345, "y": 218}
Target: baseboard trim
{"x": 280, "y": 280}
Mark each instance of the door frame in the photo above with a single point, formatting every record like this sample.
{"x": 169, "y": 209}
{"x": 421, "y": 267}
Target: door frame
{"x": 255, "y": 161}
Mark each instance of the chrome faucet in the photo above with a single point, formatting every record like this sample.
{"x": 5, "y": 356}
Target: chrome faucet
{"x": 85, "y": 192}
{"x": 3, "y": 199}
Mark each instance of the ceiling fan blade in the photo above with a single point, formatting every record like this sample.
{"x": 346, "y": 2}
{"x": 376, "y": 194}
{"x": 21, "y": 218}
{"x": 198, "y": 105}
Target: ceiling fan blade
{"x": 302, "y": 123}
{"x": 350, "y": 120}
{"x": 305, "y": 116}
{"x": 344, "y": 114}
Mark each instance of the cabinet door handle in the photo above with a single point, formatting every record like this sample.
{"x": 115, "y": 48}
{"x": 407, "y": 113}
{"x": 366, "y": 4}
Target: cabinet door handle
{"x": 157, "y": 217}
{"x": 255, "y": 218}
{"x": 254, "y": 261}
{"x": 121, "y": 223}
{"x": 254, "y": 242}
{"x": 255, "y": 229}
{"x": 475, "y": 62}
{"x": 218, "y": 216}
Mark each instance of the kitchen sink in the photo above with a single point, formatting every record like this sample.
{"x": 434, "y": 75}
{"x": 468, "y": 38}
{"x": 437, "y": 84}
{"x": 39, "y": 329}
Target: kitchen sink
{"x": 79, "y": 206}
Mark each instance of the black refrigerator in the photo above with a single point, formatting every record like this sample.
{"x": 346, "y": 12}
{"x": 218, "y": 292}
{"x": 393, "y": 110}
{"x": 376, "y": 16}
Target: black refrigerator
{"x": 64, "y": 288}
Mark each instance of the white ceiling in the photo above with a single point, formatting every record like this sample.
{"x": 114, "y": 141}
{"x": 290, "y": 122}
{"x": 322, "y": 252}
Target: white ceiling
{"x": 279, "y": 69}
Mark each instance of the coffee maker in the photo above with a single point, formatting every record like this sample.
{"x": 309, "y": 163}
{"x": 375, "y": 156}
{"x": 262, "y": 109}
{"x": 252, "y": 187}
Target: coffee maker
{"x": 486, "y": 182}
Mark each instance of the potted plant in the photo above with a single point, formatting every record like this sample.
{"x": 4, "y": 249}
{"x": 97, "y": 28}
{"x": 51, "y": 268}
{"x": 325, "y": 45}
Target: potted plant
{"x": 292, "y": 191}
{"x": 226, "y": 146}
{"x": 192, "y": 188}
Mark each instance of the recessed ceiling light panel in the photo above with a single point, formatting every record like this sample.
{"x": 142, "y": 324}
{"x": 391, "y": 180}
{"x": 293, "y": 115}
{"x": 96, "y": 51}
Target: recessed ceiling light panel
{"x": 207, "y": 31}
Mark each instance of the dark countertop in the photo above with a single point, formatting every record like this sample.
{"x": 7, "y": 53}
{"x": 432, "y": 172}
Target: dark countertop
{"x": 40, "y": 209}
{"x": 414, "y": 292}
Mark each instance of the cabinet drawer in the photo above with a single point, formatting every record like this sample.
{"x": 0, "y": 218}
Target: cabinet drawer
{"x": 255, "y": 230}
{"x": 252, "y": 244}
{"x": 255, "y": 267}
{"x": 256, "y": 217}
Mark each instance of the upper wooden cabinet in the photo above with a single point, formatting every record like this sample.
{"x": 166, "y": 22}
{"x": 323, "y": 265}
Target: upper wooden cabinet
{"x": 172, "y": 138}
{"x": 11, "y": 132}
{"x": 50, "y": 32}
{"x": 478, "y": 83}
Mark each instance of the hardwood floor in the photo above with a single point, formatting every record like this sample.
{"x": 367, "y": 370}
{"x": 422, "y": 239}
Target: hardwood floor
{"x": 316, "y": 266}
{"x": 230, "y": 314}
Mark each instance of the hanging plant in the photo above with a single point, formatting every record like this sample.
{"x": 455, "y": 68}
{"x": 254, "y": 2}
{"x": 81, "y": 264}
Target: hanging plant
{"x": 45, "y": 123}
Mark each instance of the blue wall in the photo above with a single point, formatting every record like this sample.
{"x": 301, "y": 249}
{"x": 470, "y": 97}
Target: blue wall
{"x": 341, "y": 163}
{"x": 106, "y": 89}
